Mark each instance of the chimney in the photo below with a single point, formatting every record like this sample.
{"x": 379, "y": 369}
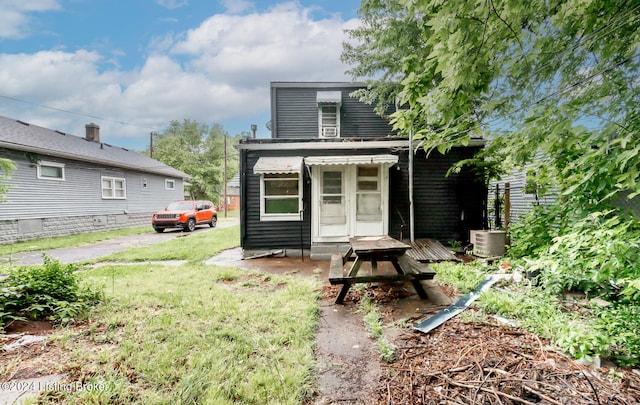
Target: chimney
{"x": 93, "y": 132}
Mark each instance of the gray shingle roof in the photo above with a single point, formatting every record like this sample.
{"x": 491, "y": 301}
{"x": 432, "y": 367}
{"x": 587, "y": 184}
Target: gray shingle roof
{"x": 235, "y": 181}
{"x": 22, "y": 136}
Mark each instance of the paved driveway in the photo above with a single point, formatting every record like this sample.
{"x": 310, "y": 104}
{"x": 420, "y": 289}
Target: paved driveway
{"x": 92, "y": 251}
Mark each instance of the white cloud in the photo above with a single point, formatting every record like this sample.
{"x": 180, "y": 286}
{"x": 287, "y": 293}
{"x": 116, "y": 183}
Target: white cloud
{"x": 172, "y": 4}
{"x": 15, "y": 15}
{"x": 236, "y": 6}
{"x": 217, "y": 72}
{"x": 282, "y": 44}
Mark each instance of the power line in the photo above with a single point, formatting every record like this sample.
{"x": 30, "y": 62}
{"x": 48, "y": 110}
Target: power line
{"x": 77, "y": 113}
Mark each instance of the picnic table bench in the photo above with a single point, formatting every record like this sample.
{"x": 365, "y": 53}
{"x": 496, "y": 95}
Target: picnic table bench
{"x": 376, "y": 249}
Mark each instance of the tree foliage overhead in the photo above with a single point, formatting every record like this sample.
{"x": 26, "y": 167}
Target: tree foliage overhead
{"x": 553, "y": 84}
{"x": 559, "y": 77}
{"x": 198, "y": 150}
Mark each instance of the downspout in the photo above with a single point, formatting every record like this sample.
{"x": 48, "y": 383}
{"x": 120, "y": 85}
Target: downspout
{"x": 411, "y": 214}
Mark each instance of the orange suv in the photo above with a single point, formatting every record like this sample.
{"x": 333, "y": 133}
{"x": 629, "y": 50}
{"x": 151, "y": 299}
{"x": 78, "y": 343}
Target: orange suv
{"x": 185, "y": 215}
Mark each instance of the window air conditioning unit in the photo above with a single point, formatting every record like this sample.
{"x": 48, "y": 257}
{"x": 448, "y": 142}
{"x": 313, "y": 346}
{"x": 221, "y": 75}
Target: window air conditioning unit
{"x": 329, "y": 132}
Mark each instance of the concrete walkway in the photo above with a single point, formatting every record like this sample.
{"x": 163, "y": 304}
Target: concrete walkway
{"x": 107, "y": 247}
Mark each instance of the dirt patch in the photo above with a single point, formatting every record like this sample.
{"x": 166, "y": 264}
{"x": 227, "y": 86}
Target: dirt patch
{"x": 272, "y": 264}
{"x": 29, "y": 361}
{"x": 348, "y": 367}
{"x": 29, "y": 328}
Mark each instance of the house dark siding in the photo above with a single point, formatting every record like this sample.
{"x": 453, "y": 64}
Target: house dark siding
{"x": 445, "y": 208}
{"x": 269, "y": 234}
{"x": 294, "y": 113}
{"x": 439, "y": 200}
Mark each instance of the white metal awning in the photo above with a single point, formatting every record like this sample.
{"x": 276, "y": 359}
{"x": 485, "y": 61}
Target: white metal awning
{"x": 351, "y": 160}
{"x": 278, "y": 165}
{"x": 326, "y": 97}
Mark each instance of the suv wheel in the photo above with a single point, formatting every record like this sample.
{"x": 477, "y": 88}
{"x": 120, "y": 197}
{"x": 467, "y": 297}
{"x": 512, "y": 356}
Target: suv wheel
{"x": 190, "y": 226}
{"x": 159, "y": 230}
{"x": 214, "y": 222}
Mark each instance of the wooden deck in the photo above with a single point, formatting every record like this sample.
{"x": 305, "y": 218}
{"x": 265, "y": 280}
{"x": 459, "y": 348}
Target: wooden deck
{"x": 429, "y": 251}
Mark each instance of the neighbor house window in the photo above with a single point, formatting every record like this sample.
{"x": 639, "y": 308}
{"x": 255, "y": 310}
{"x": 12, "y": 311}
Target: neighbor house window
{"x": 50, "y": 170}
{"x": 114, "y": 188}
{"x": 169, "y": 184}
{"x": 281, "y": 197}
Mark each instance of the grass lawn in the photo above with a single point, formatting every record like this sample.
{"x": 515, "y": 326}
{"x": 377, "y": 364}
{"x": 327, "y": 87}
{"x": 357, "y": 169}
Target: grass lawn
{"x": 192, "y": 246}
{"x": 69, "y": 241}
{"x": 193, "y": 334}
{"x": 196, "y": 334}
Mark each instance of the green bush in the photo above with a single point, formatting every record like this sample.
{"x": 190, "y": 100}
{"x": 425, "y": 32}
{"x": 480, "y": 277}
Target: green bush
{"x": 535, "y": 231}
{"x": 50, "y": 291}
{"x": 464, "y": 277}
{"x": 599, "y": 252}
{"x": 621, "y": 323}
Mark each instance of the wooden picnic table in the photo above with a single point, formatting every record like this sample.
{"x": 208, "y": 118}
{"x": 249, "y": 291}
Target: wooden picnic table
{"x": 376, "y": 249}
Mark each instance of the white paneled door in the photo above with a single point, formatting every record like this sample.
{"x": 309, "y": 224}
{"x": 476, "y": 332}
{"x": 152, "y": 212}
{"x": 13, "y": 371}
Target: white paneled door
{"x": 349, "y": 200}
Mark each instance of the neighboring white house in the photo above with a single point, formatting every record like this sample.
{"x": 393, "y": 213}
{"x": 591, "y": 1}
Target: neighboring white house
{"x": 65, "y": 184}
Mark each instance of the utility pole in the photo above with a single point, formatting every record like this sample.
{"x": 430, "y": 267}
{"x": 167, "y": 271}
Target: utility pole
{"x": 151, "y": 144}
{"x": 225, "y": 175}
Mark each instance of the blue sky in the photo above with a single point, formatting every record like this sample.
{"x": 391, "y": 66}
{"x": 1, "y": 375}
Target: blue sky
{"x": 132, "y": 66}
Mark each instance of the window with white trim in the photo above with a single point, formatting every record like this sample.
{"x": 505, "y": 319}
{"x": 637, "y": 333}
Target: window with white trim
{"x": 50, "y": 170}
{"x": 280, "y": 197}
{"x": 113, "y": 188}
{"x": 169, "y": 184}
{"x": 329, "y": 119}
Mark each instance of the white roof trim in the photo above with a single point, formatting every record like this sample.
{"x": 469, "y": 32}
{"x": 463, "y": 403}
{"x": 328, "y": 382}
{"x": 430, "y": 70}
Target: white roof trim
{"x": 278, "y": 165}
{"x": 344, "y": 144}
{"x": 351, "y": 160}
{"x": 333, "y": 97}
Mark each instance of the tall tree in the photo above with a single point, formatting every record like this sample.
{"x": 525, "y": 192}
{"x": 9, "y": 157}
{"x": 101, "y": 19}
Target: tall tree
{"x": 198, "y": 150}
{"x": 552, "y": 76}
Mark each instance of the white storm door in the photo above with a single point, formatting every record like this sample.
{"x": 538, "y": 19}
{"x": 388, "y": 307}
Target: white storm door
{"x": 370, "y": 205}
{"x": 332, "y": 202}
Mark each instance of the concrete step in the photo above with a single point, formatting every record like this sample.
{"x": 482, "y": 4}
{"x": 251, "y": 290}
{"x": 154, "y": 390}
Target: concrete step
{"x": 323, "y": 251}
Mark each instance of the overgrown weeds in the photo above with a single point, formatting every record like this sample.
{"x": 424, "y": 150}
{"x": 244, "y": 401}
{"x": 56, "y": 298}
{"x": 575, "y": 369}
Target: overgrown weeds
{"x": 577, "y": 326}
{"x": 595, "y": 253}
{"x": 50, "y": 291}
{"x": 374, "y": 326}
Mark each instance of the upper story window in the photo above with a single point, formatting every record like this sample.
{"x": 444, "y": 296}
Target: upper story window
{"x": 50, "y": 170}
{"x": 169, "y": 184}
{"x": 113, "y": 188}
{"x": 329, "y": 113}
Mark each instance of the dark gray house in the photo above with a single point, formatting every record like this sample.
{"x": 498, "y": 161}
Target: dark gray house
{"x": 65, "y": 184}
{"x": 333, "y": 169}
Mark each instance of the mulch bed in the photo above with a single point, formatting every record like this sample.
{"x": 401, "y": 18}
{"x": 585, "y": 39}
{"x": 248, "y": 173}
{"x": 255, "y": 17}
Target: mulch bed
{"x": 472, "y": 363}
{"x": 484, "y": 363}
